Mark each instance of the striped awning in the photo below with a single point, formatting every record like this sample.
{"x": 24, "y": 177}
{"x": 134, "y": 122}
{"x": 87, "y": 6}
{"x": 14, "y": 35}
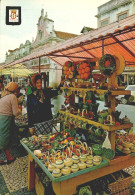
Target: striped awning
{"x": 115, "y": 38}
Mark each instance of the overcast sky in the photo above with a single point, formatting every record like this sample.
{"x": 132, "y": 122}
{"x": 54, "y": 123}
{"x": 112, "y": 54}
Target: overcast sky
{"x": 68, "y": 15}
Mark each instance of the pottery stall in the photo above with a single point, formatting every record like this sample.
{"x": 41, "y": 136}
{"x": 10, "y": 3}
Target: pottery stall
{"x": 92, "y": 143}
{"x": 90, "y": 140}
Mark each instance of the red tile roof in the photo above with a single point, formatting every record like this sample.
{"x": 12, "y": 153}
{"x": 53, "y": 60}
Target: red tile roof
{"x": 64, "y": 35}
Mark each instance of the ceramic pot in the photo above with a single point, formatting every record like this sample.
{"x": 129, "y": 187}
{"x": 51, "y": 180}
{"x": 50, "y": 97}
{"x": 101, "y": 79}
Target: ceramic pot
{"x": 83, "y": 157}
{"x": 97, "y": 160}
{"x": 59, "y": 164}
{"x": 97, "y": 149}
{"x": 89, "y": 163}
{"x": 56, "y": 173}
{"x": 75, "y": 159}
{"x": 82, "y": 165}
{"x": 68, "y": 162}
{"x": 74, "y": 168}
{"x": 66, "y": 171}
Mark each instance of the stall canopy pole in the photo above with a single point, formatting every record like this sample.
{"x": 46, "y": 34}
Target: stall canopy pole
{"x": 39, "y": 65}
{"x": 102, "y": 47}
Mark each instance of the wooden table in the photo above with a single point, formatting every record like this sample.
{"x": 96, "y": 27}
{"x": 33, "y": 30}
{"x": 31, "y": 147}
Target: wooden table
{"x": 68, "y": 185}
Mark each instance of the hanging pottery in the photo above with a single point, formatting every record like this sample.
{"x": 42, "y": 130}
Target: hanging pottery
{"x": 107, "y": 64}
{"x": 84, "y": 70}
{"x": 68, "y": 70}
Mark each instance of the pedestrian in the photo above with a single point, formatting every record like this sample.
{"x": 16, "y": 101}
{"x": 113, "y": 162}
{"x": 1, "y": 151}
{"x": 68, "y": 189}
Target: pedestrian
{"x": 20, "y": 97}
{"x": 39, "y": 101}
{"x": 8, "y": 109}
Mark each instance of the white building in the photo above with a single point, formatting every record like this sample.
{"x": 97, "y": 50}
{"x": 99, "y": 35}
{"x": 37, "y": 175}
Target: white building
{"x": 114, "y": 10}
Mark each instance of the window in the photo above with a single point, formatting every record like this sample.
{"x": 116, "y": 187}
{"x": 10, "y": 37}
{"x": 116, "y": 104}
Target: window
{"x": 122, "y": 15}
{"x": 105, "y": 22}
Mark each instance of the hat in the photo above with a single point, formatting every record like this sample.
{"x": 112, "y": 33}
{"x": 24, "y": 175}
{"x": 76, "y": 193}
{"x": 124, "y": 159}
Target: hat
{"x": 11, "y": 86}
{"x": 34, "y": 79}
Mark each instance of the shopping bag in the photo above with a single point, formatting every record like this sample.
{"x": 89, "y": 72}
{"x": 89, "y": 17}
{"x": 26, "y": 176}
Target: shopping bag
{"x": 43, "y": 128}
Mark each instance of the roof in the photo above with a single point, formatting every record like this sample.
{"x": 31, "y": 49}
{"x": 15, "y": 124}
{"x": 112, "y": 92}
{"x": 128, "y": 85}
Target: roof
{"x": 64, "y": 35}
{"x": 115, "y": 38}
{"x": 86, "y": 29}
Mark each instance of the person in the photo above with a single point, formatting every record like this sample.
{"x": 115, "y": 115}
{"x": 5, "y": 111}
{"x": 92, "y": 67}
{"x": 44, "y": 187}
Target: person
{"x": 20, "y": 97}
{"x": 8, "y": 109}
{"x": 39, "y": 101}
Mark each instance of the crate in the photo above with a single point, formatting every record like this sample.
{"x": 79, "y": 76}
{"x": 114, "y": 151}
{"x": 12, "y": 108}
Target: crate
{"x": 122, "y": 185}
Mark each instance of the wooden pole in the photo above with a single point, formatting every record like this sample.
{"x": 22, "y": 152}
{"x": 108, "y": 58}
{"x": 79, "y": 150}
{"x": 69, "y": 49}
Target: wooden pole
{"x": 102, "y": 48}
{"x": 39, "y": 66}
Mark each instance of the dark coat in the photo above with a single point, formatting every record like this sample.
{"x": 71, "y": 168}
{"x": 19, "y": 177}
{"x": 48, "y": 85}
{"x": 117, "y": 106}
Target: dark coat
{"x": 39, "y": 112}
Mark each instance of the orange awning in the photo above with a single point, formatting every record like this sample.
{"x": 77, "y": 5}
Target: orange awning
{"x": 115, "y": 38}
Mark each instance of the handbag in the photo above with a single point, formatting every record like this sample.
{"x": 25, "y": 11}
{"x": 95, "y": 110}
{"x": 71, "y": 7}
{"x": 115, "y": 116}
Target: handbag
{"x": 44, "y": 128}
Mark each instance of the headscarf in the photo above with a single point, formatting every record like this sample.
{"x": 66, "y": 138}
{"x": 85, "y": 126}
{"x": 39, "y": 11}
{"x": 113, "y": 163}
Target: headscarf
{"x": 11, "y": 87}
{"x": 32, "y": 88}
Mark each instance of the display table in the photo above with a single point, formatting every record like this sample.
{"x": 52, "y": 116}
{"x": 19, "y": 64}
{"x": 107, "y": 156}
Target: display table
{"x": 67, "y": 184}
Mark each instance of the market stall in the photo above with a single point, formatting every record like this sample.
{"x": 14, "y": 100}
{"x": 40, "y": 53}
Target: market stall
{"x": 88, "y": 147}
{"x": 106, "y": 50}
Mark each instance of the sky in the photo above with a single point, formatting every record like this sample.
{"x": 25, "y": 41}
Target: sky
{"x": 68, "y": 16}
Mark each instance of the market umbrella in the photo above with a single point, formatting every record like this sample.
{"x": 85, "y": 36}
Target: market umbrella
{"x": 17, "y": 70}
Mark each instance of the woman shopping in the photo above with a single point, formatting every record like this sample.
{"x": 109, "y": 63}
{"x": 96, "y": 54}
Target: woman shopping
{"x": 8, "y": 109}
{"x": 39, "y": 101}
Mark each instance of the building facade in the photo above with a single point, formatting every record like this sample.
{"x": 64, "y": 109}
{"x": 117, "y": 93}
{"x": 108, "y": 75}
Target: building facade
{"x": 46, "y": 36}
{"x": 114, "y": 10}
